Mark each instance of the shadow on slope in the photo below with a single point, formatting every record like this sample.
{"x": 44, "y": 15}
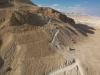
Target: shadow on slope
{"x": 84, "y": 29}
{"x": 5, "y": 3}
{"x": 1, "y": 62}
{"x": 22, "y": 17}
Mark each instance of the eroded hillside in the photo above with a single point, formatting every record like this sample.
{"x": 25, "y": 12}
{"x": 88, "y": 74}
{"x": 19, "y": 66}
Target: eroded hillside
{"x": 37, "y": 40}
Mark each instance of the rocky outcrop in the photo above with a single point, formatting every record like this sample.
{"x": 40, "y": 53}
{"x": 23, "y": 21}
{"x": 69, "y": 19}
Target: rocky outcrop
{"x": 21, "y": 1}
{"x": 22, "y": 17}
{"x": 52, "y": 13}
{"x": 4, "y": 1}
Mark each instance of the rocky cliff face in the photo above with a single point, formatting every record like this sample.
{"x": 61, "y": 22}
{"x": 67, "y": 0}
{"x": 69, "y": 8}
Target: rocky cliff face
{"x": 4, "y": 3}
{"x": 7, "y": 3}
{"x": 22, "y": 1}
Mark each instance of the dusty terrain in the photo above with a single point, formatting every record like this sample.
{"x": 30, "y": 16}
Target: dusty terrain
{"x": 90, "y": 48}
{"x": 42, "y": 41}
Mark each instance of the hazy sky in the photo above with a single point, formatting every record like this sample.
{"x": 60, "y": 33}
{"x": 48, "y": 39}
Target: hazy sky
{"x": 83, "y": 6}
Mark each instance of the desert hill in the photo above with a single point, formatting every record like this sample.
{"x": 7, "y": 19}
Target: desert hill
{"x": 37, "y": 40}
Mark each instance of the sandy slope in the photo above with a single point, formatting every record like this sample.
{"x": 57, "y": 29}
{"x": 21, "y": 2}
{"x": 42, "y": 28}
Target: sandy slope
{"x": 89, "y": 51}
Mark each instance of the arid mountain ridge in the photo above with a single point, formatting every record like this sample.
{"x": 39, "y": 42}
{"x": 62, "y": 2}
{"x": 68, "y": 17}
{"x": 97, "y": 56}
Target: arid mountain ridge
{"x": 37, "y": 40}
